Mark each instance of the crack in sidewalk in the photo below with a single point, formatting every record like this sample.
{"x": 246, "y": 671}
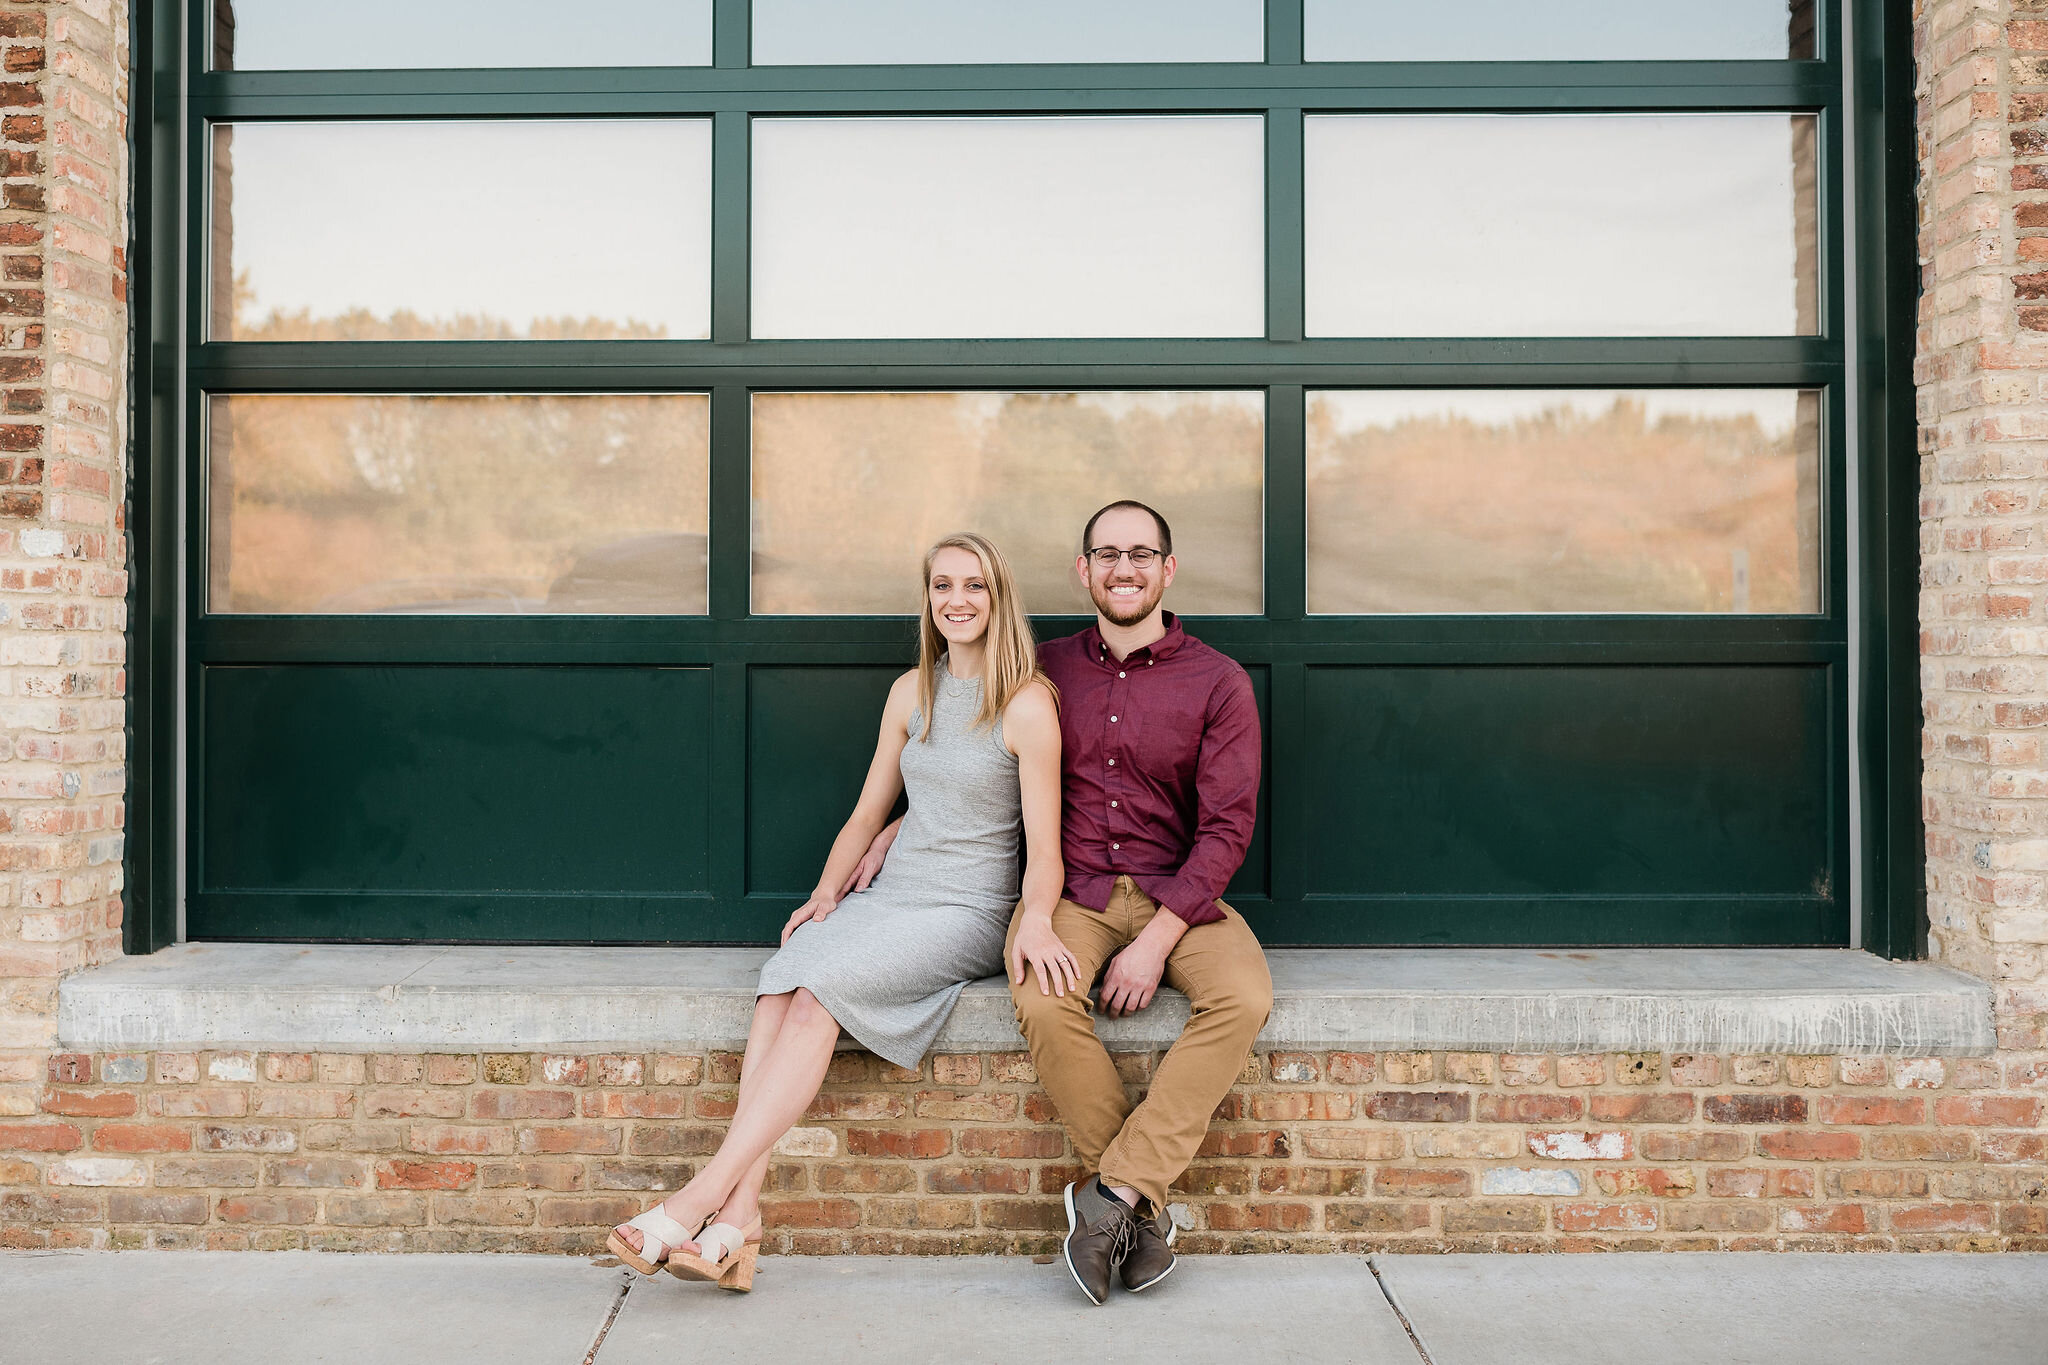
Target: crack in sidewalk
{"x": 618, "y": 1302}
{"x": 1393, "y": 1301}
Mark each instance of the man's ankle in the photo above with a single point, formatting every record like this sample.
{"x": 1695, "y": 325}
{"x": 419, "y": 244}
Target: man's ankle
{"x": 1124, "y": 1194}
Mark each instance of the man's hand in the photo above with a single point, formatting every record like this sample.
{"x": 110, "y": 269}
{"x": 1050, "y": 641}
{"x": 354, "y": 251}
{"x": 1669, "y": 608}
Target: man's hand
{"x": 871, "y": 861}
{"x": 1133, "y": 975}
{"x": 816, "y": 908}
{"x": 1039, "y": 946}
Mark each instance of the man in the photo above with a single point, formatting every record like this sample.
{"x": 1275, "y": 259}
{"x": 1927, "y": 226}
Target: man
{"x": 1160, "y": 780}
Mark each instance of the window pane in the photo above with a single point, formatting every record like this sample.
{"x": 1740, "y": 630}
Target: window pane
{"x": 909, "y": 32}
{"x": 303, "y": 35}
{"x": 849, "y": 489}
{"x": 548, "y": 503}
{"x": 454, "y": 237}
{"x": 1558, "y": 31}
{"x": 1008, "y": 227}
{"x": 1580, "y": 225}
{"x": 1642, "y": 500}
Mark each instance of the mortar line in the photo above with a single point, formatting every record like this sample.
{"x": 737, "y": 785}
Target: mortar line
{"x": 1372, "y": 1263}
{"x": 603, "y": 1328}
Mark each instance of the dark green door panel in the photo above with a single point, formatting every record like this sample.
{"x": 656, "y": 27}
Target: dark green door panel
{"x": 1571, "y": 804}
{"x": 453, "y": 802}
{"x": 1254, "y": 881}
{"x": 810, "y": 736}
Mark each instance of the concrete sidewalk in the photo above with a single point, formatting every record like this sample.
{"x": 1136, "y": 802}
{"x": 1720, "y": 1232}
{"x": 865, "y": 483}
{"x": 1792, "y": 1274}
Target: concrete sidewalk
{"x": 298, "y": 1308}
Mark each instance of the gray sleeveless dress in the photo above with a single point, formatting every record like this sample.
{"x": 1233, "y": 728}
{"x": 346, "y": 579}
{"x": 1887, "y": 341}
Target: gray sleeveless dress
{"x": 890, "y": 962}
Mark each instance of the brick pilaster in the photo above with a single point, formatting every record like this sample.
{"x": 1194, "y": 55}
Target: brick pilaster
{"x": 63, "y": 580}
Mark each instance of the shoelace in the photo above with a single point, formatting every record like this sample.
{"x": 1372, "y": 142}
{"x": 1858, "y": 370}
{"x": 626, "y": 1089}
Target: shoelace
{"x": 1123, "y": 1239}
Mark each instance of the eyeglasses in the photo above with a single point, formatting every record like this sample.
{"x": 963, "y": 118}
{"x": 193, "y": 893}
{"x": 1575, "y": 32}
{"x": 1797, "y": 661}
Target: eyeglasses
{"x": 1106, "y": 556}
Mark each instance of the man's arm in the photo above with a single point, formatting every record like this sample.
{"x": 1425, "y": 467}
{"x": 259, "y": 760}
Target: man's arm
{"x": 1226, "y": 804}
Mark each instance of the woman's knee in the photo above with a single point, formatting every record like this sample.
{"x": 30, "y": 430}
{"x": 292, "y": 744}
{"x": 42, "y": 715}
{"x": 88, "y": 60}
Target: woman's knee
{"x": 806, "y": 1011}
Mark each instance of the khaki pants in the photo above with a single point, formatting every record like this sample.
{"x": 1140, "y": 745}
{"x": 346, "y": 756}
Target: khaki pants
{"x": 1221, "y": 969}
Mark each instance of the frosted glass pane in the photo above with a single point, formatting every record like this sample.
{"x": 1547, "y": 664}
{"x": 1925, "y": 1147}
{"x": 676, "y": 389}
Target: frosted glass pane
{"x": 1558, "y": 31}
{"x": 1008, "y": 227}
{"x": 465, "y": 230}
{"x": 849, "y": 488}
{"x": 341, "y": 35}
{"x": 909, "y": 32}
{"x": 1570, "y": 500}
{"x": 411, "y": 503}
{"x": 1561, "y": 225}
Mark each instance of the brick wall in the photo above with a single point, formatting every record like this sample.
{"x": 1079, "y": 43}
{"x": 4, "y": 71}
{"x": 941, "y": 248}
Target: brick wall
{"x": 63, "y": 584}
{"x": 1312, "y": 1151}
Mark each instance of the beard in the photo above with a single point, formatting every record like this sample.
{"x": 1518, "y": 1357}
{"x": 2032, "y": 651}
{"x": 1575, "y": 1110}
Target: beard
{"x": 1126, "y": 611}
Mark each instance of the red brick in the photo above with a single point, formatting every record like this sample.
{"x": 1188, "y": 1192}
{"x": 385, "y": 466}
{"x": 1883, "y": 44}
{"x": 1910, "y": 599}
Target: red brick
{"x": 1351, "y": 1068}
{"x": 141, "y": 1137}
{"x": 1405, "y": 1106}
{"x": 1794, "y": 1145}
{"x": 1427, "y": 1181}
{"x": 817, "y": 1213}
{"x": 274, "y": 1209}
{"x": 1529, "y": 1108}
{"x": 89, "y": 1104}
{"x": 1606, "y": 1217}
{"x": 1944, "y": 1218}
{"x": 1754, "y": 1109}
{"x": 425, "y": 1175}
{"x": 1012, "y": 1144}
{"x": 1640, "y": 1108}
{"x": 522, "y": 1104}
{"x": 911, "y": 1144}
{"x": 1868, "y": 1110}
{"x": 1827, "y": 1218}
{"x": 40, "y": 1137}
{"x": 978, "y": 1180}
{"x": 859, "y": 1177}
{"x": 1997, "y": 1111}
{"x": 71, "y": 1068}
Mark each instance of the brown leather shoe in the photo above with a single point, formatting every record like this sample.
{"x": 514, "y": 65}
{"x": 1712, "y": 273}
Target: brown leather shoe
{"x": 1100, "y": 1231}
{"x": 1151, "y": 1256}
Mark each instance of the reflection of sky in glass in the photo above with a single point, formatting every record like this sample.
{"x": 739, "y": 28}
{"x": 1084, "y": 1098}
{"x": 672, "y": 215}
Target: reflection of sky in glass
{"x": 811, "y": 32}
{"x": 342, "y": 35}
{"x": 1008, "y": 227}
{"x": 1550, "y": 31}
{"x": 607, "y": 219}
{"x": 1553, "y": 225}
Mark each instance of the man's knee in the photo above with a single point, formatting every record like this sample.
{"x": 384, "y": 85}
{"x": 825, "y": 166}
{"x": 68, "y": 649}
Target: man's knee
{"x": 1243, "y": 1007}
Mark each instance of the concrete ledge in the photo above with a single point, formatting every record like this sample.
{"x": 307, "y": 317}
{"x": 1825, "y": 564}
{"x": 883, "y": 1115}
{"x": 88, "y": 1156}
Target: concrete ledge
{"x": 442, "y": 999}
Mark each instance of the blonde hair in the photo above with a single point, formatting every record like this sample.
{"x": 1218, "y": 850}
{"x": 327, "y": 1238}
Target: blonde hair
{"x": 1010, "y": 653}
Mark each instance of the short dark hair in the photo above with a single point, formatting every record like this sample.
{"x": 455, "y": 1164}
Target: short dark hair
{"x": 1165, "y": 531}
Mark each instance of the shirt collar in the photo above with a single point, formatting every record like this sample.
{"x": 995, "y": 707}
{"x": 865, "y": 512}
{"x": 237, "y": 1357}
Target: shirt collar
{"x": 1163, "y": 647}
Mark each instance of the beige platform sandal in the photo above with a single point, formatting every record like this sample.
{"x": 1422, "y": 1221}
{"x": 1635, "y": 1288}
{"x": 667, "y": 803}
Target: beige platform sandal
{"x": 660, "y": 1235}
{"x": 728, "y": 1259}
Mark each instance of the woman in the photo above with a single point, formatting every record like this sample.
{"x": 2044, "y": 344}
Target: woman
{"x": 972, "y": 736}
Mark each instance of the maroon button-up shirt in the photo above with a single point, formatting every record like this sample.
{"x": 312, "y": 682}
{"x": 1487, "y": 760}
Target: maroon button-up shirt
{"x": 1159, "y": 765}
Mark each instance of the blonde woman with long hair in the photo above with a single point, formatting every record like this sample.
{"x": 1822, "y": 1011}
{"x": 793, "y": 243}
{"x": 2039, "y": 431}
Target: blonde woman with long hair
{"x": 972, "y": 736}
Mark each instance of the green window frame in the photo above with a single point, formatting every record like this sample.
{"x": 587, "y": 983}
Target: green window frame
{"x": 1864, "y": 209}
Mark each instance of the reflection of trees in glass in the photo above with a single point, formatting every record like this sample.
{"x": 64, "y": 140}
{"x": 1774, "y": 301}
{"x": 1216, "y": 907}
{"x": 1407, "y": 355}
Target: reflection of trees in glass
{"x": 1563, "y": 511}
{"x": 488, "y": 503}
{"x": 849, "y": 488}
{"x": 359, "y": 324}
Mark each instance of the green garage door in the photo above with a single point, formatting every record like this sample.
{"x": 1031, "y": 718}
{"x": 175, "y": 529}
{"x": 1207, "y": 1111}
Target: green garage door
{"x": 555, "y": 506}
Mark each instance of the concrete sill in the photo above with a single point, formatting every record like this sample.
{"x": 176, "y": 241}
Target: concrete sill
{"x": 295, "y": 997}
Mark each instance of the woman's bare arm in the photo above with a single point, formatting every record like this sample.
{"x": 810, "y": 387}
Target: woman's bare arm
{"x": 877, "y": 797}
{"x": 1031, "y": 729}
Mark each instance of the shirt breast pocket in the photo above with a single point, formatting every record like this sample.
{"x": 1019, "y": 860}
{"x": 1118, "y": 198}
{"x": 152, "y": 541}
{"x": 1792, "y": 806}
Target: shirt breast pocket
{"x": 1167, "y": 743}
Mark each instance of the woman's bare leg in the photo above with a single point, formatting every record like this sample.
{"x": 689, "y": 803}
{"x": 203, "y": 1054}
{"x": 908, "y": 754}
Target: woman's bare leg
{"x": 761, "y": 1033}
{"x": 774, "y": 1093}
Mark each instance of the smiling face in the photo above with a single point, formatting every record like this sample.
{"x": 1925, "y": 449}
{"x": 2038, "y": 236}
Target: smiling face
{"x": 1126, "y": 593}
{"x": 957, "y": 594}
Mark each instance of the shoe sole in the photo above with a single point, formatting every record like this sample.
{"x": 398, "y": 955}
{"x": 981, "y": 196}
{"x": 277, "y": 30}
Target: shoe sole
{"x": 1172, "y": 1232}
{"x": 1067, "y": 1246}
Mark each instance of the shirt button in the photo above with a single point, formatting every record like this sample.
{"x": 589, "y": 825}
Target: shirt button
{"x": 1116, "y": 845}
{"x": 1112, "y": 805}
{"x": 1112, "y": 763}
{"x": 1119, "y": 675}
{"x": 1112, "y": 720}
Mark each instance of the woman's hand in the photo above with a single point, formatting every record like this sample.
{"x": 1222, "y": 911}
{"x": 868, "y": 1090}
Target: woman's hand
{"x": 1038, "y": 945}
{"x": 816, "y": 908}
